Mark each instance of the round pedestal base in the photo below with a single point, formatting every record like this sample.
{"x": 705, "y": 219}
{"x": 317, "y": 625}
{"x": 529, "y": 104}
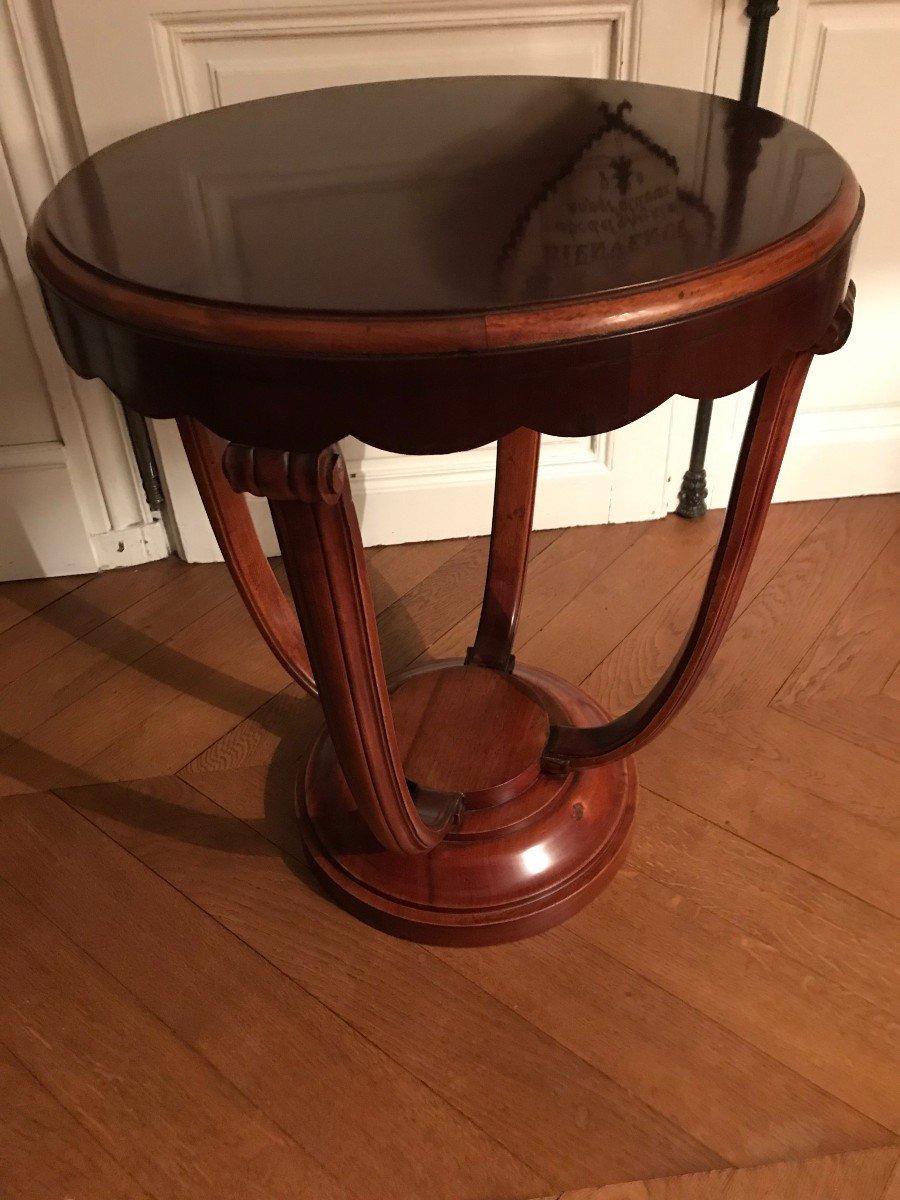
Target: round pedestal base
{"x": 530, "y": 849}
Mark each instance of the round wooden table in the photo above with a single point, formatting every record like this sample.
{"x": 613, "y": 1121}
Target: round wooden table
{"x": 430, "y": 265}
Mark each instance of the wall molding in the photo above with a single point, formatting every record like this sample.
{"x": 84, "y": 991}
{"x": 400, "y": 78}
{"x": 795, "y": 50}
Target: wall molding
{"x": 32, "y": 455}
{"x": 819, "y": 21}
{"x": 175, "y": 33}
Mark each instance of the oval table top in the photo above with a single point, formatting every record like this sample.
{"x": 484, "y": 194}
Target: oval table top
{"x": 442, "y": 217}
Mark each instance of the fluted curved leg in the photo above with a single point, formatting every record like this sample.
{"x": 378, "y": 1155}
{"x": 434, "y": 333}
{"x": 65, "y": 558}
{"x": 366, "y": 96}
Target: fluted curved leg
{"x": 238, "y": 541}
{"x": 517, "y": 463}
{"x": 312, "y": 509}
{"x": 765, "y": 439}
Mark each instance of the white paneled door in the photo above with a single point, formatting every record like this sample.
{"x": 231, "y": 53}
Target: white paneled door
{"x": 135, "y": 63}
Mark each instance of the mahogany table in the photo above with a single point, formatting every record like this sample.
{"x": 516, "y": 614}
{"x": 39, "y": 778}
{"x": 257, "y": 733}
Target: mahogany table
{"x": 431, "y": 265}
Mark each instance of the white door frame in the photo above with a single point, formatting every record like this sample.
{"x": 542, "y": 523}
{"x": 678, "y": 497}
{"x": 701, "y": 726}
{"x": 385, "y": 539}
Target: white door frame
{"x": 77, "y": 496}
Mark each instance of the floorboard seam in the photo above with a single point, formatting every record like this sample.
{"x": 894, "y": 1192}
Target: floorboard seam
{"x": 283, "y": 974}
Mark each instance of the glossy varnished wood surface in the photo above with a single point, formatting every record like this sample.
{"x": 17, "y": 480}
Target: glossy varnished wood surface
{"x": 461, "y": 195}
{"x": 515, "y": 487}
{"x": 730, "y": 999}
{"x": 556, "y": 254}
{"x": 237, "y": 539}
{"x": 528, "y": 850}
{"x": 437, "y": 711}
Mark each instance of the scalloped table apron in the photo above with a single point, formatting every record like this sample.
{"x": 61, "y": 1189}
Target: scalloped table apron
{"x": 430, "y": 265}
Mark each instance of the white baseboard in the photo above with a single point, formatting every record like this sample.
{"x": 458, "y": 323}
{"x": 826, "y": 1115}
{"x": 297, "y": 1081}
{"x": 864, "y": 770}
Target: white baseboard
{"x": 832, "y": 452}
{"x": 132, "y": 546}
{"x": 430, "y": 498}
{"x": 42, "y": 531}
{"x": 842, "y": 452}
{"x": 42, "y": 528}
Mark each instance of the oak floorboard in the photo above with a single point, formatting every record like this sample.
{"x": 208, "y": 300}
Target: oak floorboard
{"x": 77, "y": 612}
{"x": 864, "y": 1175}
{"x": 850, "y": 777}
{"x": 123, "y": 727}
{"x": 154, "y": 1105}
{"x": 340, "y": 1098}
{"x": 216, "y": 1027}
{"x": 594, "y": 621}
{"x": 735, "y": 781}
{"x": 892, "y": 1190}
{"x": 765, "y": 644}
{"x": 632, "y": 667}
{"x": 78, "y": 668}
{"x": 21, "y": 598}
{"x": 555, "y": 576}
{"x": 711, "y": 1081}
{"x": 892, "y": 685}
{"x": 622, "y": 1024}
{"x": 832, "y": 933}
{"x": 840, "y": 685}
{"x": 799, "y": 792}
{"x": 832, "y": 1036}
{"x": 280, "y": 730}
{"x": 45, "y": 1152}
{"x": 173, "y": 659}
{"x": 396, "y": 570}
{"x": 187, "y": 713}
{"x": 535, "y": 1098}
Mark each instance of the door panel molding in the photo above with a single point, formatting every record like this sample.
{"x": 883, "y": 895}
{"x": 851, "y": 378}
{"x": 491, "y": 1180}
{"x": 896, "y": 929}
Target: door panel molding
{"x": 194, "y": 50}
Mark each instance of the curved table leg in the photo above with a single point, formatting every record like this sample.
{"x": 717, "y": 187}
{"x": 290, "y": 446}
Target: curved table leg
{"x": 517, "y": 463}
{"x": 249, "y": 567}
{"x": 765, "y": 439}
{"x": 309, "y": 497}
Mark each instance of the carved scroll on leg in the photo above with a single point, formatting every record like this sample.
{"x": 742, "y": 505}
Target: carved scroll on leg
{"x": 316, "y": 525}
{"x": 765, "y": 440}
{"x": 517, "y": 464}
{"x": 234, "y": 531}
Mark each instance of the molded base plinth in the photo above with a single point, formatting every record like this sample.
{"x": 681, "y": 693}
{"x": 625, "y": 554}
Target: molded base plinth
{"x": 513, "y": 867}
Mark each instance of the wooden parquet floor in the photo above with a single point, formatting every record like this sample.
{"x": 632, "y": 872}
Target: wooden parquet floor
{"x": 861, "y": 1175}
{"x": 184, "y": 1017}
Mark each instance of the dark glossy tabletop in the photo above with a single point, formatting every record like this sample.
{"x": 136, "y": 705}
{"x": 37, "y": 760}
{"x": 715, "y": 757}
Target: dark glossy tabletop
{"x": 446, "y": 195}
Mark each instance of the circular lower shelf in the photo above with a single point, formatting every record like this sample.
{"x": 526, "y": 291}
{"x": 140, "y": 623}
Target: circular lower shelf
{"x": 530, "y": 849}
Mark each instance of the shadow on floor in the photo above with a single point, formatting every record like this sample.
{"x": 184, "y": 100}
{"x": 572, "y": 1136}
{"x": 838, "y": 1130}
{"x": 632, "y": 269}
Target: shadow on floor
{"x": 144, "y": 808}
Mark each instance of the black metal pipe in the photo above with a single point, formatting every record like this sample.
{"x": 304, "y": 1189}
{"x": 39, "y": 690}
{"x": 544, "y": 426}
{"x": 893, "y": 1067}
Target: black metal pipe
{"x": 145, "y": 458}
{"x": 760, "y": 13}
{"x": 693, "y": 492}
